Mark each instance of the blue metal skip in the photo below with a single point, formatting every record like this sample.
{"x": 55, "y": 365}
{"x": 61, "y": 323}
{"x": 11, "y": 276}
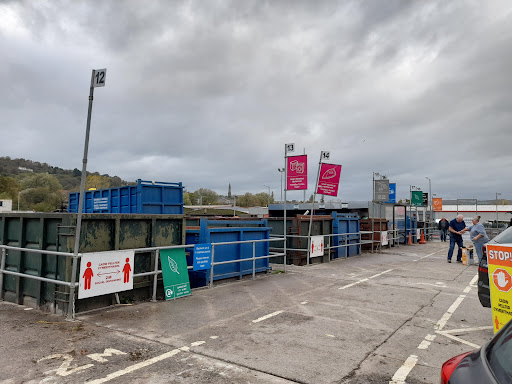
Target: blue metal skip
{"x": 346, "y": 223}
{"x": 147, "y": 197}
{"x": 216, "y": 231}
{"x": 412, "y": 225}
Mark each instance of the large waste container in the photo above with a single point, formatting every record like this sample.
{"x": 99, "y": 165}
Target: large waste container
{"x": 345, "y": 224}
{"x": 147, "y": 197}
{"x": 55, "y": 232}
{"x": 404, "y": 232}
{"x": 376, "y": 225}
{"x": 297, "y": 242}
{"x": 204, "y": 230}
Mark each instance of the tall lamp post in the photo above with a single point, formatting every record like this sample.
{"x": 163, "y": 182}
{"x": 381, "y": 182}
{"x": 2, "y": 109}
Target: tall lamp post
{"x": 497, "y": 194}
{"x": 281, "y": 171}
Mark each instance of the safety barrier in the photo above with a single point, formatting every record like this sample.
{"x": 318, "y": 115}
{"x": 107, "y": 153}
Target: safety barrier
{"x": 73, "y": 285}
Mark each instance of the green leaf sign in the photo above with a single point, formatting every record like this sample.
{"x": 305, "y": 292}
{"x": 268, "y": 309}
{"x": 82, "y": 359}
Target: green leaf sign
{"x": 417, "y": 198}
{"x": 175, "y": 273}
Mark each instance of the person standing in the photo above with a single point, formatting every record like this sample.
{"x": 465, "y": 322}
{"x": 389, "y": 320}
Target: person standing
{"x": 478, "y": 237}
{"x": 443, "y": 227}
{"x": 457, "y": 228}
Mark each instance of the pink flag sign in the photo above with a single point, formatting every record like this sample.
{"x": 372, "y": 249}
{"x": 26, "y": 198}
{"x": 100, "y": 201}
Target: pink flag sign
{"x": 329, "y": 179}
{"x": 297, "y": 172}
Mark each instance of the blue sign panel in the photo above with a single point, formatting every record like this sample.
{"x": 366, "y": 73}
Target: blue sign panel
{"x": 100, "y": 203}
{"x": 202, "y": 256}
{"x": 392, "y": 193}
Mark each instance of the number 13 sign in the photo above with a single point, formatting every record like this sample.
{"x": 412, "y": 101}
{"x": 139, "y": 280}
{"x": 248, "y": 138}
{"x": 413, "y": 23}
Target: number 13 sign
{"x": 99, "y": 77}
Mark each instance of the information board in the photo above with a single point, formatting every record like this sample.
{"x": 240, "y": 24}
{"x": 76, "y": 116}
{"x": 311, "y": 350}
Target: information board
{"x": 329, "y": 179}
{"x": 499, "y": 260}
{"x": 317, "y": 246}
{"x": 417, "y": 198}
{"x": 380, "y": 190}
{"x": 384, "y": 239}
{"x": 437, "y": 203}
{"x": 392, "y": 193}
{"x": 202, "y": 256}
{"x": 100, "y": 203}
{"x": 297, "y": 172}
{"x": 175, "y": 273}
{"x": 105, "y": 272}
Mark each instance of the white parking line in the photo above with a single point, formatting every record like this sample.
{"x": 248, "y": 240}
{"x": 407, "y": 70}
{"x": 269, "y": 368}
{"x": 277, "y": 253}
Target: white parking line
{"x": 363, "y": 280}
{"x": 135, "y": 367}
{"x": 463, "y": 330}
{"x": 402, "y": 372}
{"x": 267, "y": 316}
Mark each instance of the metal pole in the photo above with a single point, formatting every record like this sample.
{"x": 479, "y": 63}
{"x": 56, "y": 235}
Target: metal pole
{"x": 313, "y": 209}
{"x": 155, "y": 277}
{"x": 281, "y": 170}
{"x": 2, "y": 267}
{"x": 253, "y": 260}
{"x": 80, "y": 205}
{"x": 497, "y": 194}
{"x": 211, "y": 268}
{"x": 284, "y": 205}
{"x": 306, "y": 186}
{"x": 19, "y": 195}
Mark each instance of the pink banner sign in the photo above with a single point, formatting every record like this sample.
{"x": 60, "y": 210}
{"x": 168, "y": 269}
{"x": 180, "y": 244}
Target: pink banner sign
{"x": 297, "y": 172}
{"x": 329, "y": 179}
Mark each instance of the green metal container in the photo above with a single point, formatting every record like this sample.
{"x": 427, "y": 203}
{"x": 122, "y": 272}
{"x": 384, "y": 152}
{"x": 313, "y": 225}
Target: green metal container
{"x": 100, "y": 232}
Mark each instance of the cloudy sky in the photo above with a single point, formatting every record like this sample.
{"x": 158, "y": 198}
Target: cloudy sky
{"x": 208, "y": 92}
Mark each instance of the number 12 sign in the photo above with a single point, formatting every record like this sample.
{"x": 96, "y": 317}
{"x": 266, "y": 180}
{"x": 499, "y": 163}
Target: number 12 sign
{"x": 99, "y": 77}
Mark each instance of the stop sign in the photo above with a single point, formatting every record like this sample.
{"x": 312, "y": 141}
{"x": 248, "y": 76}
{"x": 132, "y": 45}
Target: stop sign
{"x": 502, "y": 279}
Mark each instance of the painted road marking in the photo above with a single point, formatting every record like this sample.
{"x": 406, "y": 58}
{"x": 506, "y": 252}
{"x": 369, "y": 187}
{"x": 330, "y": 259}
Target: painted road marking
{"x": 136, "y": 367}
{"x": 100, "y": 357}
{"x": 426, "y": 342}
{"x": 144, "y": 364}
{"x": 437, "y": 285}
{"x": 64, "y": 370}
{"x": 364, "y": 280}
{"x": 267, "y": 316}
{"x": 463, "y": 330}
{"x": 402, "y": 372}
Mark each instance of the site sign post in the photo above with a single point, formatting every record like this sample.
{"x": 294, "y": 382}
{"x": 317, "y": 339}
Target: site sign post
{"x": 98, "y": 78}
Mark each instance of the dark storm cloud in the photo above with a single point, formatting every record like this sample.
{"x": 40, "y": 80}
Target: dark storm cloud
{"x": 208, "y": 92}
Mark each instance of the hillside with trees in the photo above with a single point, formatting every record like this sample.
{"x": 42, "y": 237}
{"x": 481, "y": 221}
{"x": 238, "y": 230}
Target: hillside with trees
{"x": 44, "y": 188}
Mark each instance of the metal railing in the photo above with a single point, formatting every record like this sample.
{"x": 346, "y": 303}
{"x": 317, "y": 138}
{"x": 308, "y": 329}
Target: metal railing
{"x": 72, "y": 285}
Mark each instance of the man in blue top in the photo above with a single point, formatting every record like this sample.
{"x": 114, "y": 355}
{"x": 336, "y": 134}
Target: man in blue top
{"x": 456, "y": 229}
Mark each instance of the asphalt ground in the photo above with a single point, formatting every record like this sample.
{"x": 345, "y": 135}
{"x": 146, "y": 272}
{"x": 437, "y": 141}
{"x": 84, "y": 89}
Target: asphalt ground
{"x": 389, "y": 317}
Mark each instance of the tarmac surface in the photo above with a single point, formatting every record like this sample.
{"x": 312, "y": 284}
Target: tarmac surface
{"x": 394, "y": 316}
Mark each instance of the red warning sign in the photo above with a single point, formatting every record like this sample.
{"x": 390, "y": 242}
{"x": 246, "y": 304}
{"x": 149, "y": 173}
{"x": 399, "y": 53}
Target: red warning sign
{"x": 105, "y": 272}
{"x": 502, "y": 280}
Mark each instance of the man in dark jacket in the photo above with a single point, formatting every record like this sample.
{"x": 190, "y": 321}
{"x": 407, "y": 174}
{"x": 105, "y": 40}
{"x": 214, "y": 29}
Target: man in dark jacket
{"x": 457, "y": 228}
{"x": 443, "y": 227}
